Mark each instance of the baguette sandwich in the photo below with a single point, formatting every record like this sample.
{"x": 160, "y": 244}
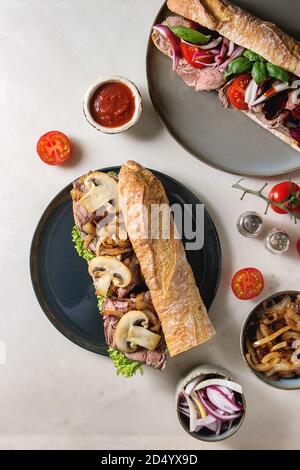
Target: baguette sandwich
{"x": 251, "y": 63}
{"x": 145, "y": 287}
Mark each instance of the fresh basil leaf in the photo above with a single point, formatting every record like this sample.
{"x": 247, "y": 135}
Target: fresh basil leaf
{"x": 278, "y": 73}
{"x": 253, "y": 56}
{"x": 189, "y": 35}
{"x": 239, "y": 65}
{"x": 259, "y": 72}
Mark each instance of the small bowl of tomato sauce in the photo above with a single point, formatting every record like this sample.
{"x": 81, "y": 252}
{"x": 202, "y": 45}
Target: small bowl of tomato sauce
{"x": 112, "y": 104}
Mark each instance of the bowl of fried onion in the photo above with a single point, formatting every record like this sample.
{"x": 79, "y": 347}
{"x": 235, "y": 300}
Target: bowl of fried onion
{"x": 270, "y": 340}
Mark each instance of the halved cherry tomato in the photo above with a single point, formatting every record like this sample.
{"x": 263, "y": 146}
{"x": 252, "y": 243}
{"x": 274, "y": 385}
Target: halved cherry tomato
{"x": 247, "y": 283}
{"x": 189, "y": 53}
{"x": 282, "y": 192}
{"x": 237, "y": 90}
{"x": 54, "y": 148}
{"x": 296, "y": 112}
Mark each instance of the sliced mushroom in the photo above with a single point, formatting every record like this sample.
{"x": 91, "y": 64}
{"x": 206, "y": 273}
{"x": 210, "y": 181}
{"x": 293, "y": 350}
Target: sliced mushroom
{"x": 106, "y": 270}
{"x": 102, "y": 192}
{"x": 114, "y": 230}
{"x": 112, "y": 239}
{"x": 143, "y": 337}
{"x": 114, "y": 251}
{"x": 155, "y": 324}
{"x": 90, "y": 230}
{"x": 76, "y": 194}
{"x": 126, "y": 322}
{"x": 141, "y": 303}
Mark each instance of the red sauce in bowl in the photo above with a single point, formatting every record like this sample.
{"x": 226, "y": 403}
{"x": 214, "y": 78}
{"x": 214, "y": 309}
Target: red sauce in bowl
{"x": 112, "y": 104}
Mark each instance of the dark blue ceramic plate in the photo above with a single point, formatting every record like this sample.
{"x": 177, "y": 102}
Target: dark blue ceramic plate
{"x": 63, "y": 286}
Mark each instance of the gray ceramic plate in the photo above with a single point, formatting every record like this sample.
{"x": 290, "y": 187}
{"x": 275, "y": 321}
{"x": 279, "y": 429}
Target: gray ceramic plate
{"x": 224, "y": 139}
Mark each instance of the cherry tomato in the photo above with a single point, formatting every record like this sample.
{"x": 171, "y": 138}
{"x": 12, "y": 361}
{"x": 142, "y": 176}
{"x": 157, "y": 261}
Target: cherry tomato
{"x": 237, "y": 90}
{"x": 247, "y": 283}
{"x": 282, "y": 192}
{"x": 189, "y": 52}
{"x": 54, "y": 148}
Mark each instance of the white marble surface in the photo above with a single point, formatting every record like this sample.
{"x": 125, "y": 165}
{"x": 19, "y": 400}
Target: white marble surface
{"x": 54, "y": 394}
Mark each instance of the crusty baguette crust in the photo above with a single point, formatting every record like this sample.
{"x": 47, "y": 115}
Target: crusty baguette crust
{"x": 167, "y": 273}
{"x": 285, "y": 137}
{"x": 155, "y": 39}
{"x": 244, "y": 29}
{"x": 185, "y": 7}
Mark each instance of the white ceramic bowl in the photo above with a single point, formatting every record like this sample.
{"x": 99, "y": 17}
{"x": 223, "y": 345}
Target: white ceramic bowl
{"x": 91, "y": 91}
{"x": 210, "y": 372}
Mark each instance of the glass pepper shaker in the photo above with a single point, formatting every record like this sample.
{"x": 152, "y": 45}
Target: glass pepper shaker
{"x": 277, "y": 241}
{"x": 250, "y": 224}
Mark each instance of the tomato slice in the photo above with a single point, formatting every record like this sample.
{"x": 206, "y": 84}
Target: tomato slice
{"x": 237, "y": 90}
{"x": 296, "y": 112}
{"x": 247, "y": 283}
{"x": 189, "y": 53}
{"x": 54, "y": 148}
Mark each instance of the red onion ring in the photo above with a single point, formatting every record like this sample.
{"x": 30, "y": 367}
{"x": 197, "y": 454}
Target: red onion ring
{"x": 295, "y": 133}
{"x": 215, "y": 412}
{"x": 237, "y": 53}
{"x": 224, "y": 48}
{"x": 222, "y": 401}
{"x": 215, "y": 51}
{"x": 210, "y": 45}
{"x": 251, "y": 92}
{"x": 277, "y": 87}
{"x": 174, "y": 41}
{"x": 231, "y": 49}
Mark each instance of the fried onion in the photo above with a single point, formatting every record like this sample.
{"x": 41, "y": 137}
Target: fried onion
{"x": 271, "y": 337}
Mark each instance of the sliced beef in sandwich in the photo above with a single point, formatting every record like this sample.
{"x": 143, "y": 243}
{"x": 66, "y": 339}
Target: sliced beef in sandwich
{"x": 112, "y": 260}
{"x": 217, "y": 42}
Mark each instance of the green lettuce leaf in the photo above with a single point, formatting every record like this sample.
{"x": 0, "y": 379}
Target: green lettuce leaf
{"x": 78, "y": 244}
{"x": 123, "y": 365}
{"x": 100, "y": 300}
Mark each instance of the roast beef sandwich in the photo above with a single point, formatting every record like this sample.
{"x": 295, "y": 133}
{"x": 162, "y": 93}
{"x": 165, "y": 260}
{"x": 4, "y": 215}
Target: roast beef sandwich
{"x": 251, "y": 63}
{"x": 146, "y": 290}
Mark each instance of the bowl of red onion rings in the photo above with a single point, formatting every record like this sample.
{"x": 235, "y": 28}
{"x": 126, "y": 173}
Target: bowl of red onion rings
{"x": 210, "y": 404}
{"x": 270, "y": 340}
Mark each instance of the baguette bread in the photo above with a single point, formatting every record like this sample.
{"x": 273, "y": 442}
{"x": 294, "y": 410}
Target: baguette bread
{"x": 284, "y": 136}
{"x": 167, "y": 273}
{"x": 244, "y": 29}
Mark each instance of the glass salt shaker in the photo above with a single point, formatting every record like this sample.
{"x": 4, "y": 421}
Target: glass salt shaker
{"x": 277, "y": 241}
{"x": 250, "y": 224}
